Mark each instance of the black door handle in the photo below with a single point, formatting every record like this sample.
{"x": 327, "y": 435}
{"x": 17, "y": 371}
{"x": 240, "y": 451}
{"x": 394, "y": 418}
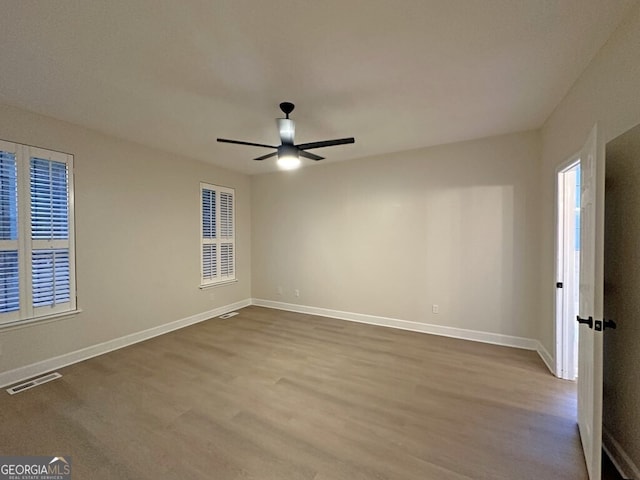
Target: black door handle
{"x": 599, "y": 324}
{"x": 588, "y": 321}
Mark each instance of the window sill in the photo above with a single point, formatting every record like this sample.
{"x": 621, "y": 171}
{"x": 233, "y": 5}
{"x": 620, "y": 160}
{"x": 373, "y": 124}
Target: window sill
{"x": 30, "y": 322}
{"x": 217, "y": 284}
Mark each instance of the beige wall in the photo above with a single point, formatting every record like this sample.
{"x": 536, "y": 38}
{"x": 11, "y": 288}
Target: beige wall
{"x": 621, "y": 408}
{"x": 607, "y": 93}
{"x": 137, "y": 239}
{"x": 455, "y": 225}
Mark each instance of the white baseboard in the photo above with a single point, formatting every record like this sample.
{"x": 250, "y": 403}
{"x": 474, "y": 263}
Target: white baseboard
{"x": 474, "y": 335}
{"x": 23, "y": 373}
{"x": 546, "y": 357}
{"x": 623, "y": 463}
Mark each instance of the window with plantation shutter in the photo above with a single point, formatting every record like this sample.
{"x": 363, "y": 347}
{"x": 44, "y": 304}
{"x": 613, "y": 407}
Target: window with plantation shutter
{"x": 36, "y": 233}
{"x": 218, "y": 234}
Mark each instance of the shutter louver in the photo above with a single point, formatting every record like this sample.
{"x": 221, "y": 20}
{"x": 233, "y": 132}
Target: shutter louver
{"x": 50, "y": 270}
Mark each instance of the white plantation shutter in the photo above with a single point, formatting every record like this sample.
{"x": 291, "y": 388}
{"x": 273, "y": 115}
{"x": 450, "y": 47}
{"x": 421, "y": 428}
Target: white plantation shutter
{"x": 209, "y": 235}
{"x": 36, "y": 233}
{"x": 50, "y": 269}
{"x": 49, "y": 187}
{"x": 226, "y": 235}
{"x": 8, "y": 196}
{"x": 9, "y": 282}
{"x": 49, "y": 200}
{"x": 9, "y": 272}
{"x": 208, "y": 213}
{"x": 209, "y": 262}
{"x": 218, "y": 234}
{"x": 226, "y": 215}
{"x": 226, "y": 260}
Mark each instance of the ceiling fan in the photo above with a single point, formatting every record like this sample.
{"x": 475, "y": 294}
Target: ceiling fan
{"x": 288, "y": 153}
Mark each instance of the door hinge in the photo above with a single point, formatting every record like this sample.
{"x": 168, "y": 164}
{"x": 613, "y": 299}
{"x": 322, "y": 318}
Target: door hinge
{"x": 558, "y": 284}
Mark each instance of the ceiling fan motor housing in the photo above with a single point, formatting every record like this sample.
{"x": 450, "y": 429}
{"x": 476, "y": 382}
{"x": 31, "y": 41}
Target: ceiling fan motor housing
{"x": 286, "y": 150}
{"x": 287, "y": 129}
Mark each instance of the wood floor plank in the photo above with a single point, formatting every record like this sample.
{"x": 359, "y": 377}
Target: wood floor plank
{"x": 280, "y": 395}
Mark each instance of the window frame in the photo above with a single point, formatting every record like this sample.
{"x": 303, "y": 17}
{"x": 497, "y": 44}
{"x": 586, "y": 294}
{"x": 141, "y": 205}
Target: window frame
{"x": 26, "y": 245}
{"x": 218, "y": 240}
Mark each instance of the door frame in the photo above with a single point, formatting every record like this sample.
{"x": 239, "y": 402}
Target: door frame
{"x": 564, "y": 362}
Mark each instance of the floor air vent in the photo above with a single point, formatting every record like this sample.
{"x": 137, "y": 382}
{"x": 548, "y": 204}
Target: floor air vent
{"x": 228, "y": 315}
{"x": 33, "y": 383}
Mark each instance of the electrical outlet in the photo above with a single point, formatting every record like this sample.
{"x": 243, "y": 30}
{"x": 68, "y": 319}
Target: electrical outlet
{"x": 435, "y": 308}
{"x": 296, "y": 292}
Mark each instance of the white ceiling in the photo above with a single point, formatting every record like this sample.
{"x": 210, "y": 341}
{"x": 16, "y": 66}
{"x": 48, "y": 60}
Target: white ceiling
{"x": 396, "y": 75}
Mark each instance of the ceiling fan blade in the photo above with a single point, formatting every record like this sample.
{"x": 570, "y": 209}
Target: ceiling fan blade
{"x": 310, "y": 156}
{"x": 326, "y": 143}
{"x": 238, "y": 142}
{"x": 268, "y": 155}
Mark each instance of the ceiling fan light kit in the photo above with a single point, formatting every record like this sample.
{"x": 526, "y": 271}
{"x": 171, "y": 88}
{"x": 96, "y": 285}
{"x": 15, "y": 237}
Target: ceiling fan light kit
{"x": 288, "y": 158}
{"x": 287, "y": 152}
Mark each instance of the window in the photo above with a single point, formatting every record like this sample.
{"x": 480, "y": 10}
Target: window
{"x": 37, "y": 261}
{"x": 218, "y": 243}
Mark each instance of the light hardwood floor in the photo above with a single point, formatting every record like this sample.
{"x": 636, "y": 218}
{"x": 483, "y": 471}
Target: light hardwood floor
{"x": 275, "y": 395}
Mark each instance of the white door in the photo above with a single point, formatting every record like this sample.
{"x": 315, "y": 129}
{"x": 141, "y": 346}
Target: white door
{"x": 591, "y": 302}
